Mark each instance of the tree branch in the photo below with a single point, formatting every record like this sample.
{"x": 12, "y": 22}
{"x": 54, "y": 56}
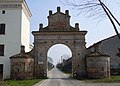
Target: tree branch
{"x": 110, "y": 18}
{"x": 111, "y": 14}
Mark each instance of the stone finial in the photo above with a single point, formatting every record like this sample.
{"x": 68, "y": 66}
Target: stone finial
{"x": 40, "y": 26}
{"x": 50, "y": 12}
{"x": 67, "y": 12}
{"x": 22, "y": 49}
{"x": 76, "y": 25}
{"x": 96, "y": 48}
{"x": 58, "y": 9}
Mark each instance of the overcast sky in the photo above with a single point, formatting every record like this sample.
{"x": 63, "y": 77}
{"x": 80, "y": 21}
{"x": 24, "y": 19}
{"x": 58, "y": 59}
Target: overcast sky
{"x": 96, "y": 30}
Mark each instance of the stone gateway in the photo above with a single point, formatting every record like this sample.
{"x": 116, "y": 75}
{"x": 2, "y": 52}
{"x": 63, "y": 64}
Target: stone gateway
{"x": 58, "y": 31}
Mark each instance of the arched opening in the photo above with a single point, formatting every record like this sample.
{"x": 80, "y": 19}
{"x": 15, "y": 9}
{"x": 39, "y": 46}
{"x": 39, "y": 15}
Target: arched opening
{"x": 60, "y": 55}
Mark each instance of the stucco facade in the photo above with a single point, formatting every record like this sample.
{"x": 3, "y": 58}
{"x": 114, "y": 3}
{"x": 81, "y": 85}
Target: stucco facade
{"x": 17, "y": 24}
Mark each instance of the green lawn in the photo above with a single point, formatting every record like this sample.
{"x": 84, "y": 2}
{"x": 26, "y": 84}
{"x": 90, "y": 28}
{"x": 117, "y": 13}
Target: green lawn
{"x": 19, "y": 82}
{"x": 113, "y": 79}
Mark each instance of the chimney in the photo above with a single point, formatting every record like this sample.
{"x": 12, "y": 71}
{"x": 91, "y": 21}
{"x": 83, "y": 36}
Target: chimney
{"x": 22, "y": 49}
{"x": 67, "y": 12}
{"x": 58, "y": 9}
{"x": 50, "y": 12}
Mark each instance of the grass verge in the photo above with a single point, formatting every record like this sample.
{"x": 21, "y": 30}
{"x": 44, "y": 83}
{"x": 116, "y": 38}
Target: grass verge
{"x": 113, "y": 79}
{"x": 19, "y": 82}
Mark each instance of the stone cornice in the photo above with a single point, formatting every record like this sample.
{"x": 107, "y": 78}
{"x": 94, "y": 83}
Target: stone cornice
{"x": 5, "y": 1}
{"x": 16, "y": 4}
{"x": 59, "y": 33}
{"x": 10, "y": 6}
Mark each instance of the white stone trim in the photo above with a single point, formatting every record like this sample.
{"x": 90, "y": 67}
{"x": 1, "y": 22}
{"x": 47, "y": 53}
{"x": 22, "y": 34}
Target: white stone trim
{"x": 16, "y": 4}
{"x": 10, "y": 5}
{"x": 26, "y": 9}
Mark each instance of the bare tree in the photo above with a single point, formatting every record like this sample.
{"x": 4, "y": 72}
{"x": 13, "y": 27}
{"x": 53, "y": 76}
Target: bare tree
{"x": 94, "y": 8}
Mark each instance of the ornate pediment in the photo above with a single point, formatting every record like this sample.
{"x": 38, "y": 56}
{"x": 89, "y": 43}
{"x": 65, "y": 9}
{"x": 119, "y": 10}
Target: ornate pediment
{"x": 59, "y": 22}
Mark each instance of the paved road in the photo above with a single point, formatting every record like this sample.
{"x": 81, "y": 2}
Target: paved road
{"x": 58, "y": 78}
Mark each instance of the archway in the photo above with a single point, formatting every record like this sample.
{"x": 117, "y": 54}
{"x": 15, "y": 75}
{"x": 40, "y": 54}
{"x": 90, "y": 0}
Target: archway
{"x": 58, "y": 52}
{"x": 45, "y": 40}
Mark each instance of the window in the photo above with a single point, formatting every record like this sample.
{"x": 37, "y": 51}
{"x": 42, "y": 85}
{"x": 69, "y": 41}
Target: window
{"x": 1, "y": 50}
{"x": 2, "y": 28}
{"x": 3, "y": 12}
{"x": 1, "y": 71}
